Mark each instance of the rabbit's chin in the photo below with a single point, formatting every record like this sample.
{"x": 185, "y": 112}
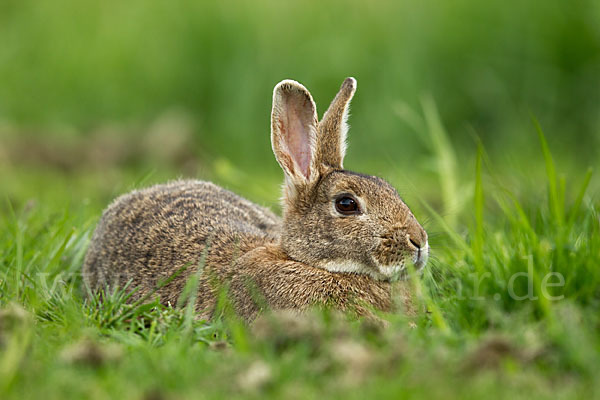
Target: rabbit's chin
{"x": 393, "y": 272}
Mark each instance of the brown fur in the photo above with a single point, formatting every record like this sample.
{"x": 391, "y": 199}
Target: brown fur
{"x": 292, "y": 263}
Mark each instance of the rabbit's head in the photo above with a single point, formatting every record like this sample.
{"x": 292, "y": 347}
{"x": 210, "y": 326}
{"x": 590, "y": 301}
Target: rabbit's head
{"x": 335, "y": 219}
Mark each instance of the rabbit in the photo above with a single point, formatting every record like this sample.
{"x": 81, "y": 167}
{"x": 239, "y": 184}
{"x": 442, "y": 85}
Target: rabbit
{"x": 344, "y": 239}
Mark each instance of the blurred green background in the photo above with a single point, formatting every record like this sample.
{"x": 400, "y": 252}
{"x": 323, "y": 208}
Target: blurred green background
{"x": 100, "y": 96}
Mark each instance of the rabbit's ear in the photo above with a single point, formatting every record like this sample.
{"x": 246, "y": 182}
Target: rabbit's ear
{"x": 294, "y": 131}
{"x": 333, "y": 127}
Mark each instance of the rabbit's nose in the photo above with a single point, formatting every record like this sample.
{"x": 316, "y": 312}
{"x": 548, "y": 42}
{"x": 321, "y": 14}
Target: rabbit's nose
{"x": 416, "y": 235}
{"x": 414, "y": 243}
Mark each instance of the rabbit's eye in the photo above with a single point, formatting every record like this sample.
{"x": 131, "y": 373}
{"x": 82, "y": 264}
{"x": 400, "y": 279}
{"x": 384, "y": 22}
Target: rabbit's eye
{"x": 346, "y": 205}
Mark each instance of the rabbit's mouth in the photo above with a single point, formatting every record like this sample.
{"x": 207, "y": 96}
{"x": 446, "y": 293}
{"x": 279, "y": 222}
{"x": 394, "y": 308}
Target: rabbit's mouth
{"x": 397, "y": 270}
{"x": 421, "y": 256}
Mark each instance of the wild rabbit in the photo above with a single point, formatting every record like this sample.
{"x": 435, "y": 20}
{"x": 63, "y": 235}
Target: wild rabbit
{"x": 343, "y": 240}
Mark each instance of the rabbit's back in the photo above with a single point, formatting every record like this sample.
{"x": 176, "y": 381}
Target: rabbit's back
{"x": 148, "y": 235}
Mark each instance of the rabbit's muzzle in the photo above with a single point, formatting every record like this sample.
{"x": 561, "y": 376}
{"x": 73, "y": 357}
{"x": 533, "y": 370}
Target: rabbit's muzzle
{"x": 399, "y": 246}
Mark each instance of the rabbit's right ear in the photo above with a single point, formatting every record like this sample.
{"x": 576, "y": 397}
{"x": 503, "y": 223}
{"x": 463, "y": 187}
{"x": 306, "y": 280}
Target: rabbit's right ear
{"x": 334, "y": 128}
{"x": 294, "y": 132}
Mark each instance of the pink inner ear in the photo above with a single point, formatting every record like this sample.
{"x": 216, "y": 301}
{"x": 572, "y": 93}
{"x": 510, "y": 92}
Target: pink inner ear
{"x": 297, "y": 135}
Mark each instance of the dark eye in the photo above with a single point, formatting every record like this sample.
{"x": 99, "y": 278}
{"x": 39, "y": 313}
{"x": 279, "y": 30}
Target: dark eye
{"x": 346, "y": 205}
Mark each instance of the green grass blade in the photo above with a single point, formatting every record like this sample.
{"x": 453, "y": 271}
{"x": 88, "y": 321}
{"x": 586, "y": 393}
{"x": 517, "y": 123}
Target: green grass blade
{"x": 479, "y": 200}
{"x": 554, "y": 195}
{"x": 445, "y": 158}
{"x": 456, "y": 238}
{"x": 579, "y": 199}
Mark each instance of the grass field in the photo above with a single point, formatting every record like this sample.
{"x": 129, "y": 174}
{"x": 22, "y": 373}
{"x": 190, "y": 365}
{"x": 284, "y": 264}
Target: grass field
{"x": 98, "y": 99}
{"x": 512, "y": 298}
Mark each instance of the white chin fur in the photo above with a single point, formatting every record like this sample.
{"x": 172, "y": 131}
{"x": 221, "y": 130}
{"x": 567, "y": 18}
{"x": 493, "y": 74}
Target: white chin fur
{"x": 391, "y": 271}
{"x": 383, "y": 272}
{"x": 387, "y": 272}
{"x": 347, "y": 266}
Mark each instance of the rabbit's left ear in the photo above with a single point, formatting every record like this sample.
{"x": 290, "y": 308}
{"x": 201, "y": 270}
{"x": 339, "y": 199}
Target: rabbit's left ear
{"x": 333, "y": 128}
{"x": 294, "y": 132}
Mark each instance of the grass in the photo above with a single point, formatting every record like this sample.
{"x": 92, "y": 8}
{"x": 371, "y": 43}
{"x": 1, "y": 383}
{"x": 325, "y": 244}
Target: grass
{"x": 513, "y": 292}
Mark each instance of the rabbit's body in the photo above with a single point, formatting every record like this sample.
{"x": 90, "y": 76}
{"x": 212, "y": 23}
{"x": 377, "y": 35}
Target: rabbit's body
{"x": 343, "y": 239}
{"x": 148, "y": 235}
{"x": 184, "y": 224}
